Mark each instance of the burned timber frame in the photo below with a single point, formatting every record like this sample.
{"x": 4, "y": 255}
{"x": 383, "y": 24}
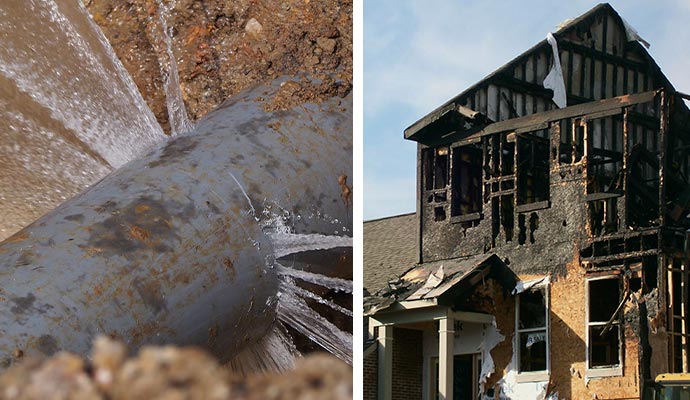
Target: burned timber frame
{"x": 632, "y": 225}
{"x": 586, "y": 195}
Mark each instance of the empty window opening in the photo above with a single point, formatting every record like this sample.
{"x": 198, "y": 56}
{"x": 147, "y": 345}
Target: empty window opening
{"x": 522, "y": 229}
{"x": 642, "y": 193}
{"x": 677, "y": 187}
{"x": 533, "y": 167}
{"x": 507, "y": 158}
{"x": 507, "y": 216}
{"x": 440, "y": 197}
{"x": 649, "y": 272}
{"x": 499, "y": 164}
{"x": 435, "y": 164}
{"x": 495, "y": 220}
{"x": 466, "y": 196}
{"x": 565, "y": 147}
{"x": 502, "y": 155}
{"x": 532, "y": 333}
{"x": 572, "y": 143}
{"x": 533, "y": 225}
{"x": 605, "y": 155}
{"x": 439, "y": 213}
{"x": 603, "y": 216}
{"x": 603, "y": 323}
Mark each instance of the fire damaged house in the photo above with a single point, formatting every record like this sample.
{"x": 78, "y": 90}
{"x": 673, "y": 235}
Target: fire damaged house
{"x": 552, "y": 246}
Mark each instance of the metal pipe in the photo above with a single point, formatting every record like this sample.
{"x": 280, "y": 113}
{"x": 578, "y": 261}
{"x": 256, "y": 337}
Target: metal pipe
{"x": 169, "y": 248}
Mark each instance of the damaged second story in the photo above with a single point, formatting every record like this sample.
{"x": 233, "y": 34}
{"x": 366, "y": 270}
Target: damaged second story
{"x": 568, "y": 168}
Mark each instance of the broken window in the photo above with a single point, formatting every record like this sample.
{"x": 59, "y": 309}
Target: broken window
{"x": 466, "y": 181}
{"x": 603, "y": 326}
{"x": 531, "y": 331}
{"x": 533, "y": 167}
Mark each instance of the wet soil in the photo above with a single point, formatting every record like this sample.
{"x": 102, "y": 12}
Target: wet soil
{"x": 222, "y": 47}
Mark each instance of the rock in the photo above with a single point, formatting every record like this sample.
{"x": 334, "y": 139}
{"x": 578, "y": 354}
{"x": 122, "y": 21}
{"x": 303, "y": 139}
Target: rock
{"x": 326, "y": 44}
{"x": 171, "y": 373}
{"x": 108, "y": 356}
{"x": 253, "y": 28}
{"x": 63, "y": 376}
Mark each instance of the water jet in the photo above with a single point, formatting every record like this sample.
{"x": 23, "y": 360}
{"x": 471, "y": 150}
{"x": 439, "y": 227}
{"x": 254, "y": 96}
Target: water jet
{"x": 172, "y": 246}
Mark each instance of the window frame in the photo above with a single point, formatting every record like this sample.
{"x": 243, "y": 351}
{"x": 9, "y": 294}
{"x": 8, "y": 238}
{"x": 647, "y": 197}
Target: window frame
{"x": 608, "y": 371}
{"x": 534, "y": 376}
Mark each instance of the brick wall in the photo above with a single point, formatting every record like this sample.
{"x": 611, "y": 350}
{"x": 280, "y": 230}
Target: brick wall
{"x": 407, "y": 364}
{"x": 369, "y": 379}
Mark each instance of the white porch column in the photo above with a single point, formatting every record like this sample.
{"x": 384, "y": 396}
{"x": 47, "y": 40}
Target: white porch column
{"x": 446, "y": 337}
{"x": 385, "y": 364}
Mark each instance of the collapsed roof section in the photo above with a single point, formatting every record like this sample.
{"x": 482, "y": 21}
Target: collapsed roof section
{"x": 442, "y": 282}
{"x": 597, "y": 47}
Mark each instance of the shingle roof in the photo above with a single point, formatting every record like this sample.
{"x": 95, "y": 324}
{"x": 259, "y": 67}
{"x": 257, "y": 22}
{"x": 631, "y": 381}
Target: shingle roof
{"x": 389, "y": 249}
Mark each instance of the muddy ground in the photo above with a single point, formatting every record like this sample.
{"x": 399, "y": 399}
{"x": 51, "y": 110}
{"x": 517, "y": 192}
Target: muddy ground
{"x": 222, "y": 47}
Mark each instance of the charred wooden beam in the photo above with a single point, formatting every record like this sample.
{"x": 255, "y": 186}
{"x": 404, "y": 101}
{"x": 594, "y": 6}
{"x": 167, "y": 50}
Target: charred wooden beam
{"x": 601, "y": 56}
{"x": 563, "y": 113}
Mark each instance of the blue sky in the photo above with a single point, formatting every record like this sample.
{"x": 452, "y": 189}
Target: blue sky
{"x": 418, "y": 54}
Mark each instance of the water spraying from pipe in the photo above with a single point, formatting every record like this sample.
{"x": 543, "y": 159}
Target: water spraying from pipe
{"x": 177, "y": 112}
{"x": 177, "y": 246}
{"x": 167, "y": 248}
{"x": 69, "y": 111}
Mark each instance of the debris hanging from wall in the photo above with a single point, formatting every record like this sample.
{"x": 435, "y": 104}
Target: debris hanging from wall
{"x": 491, "y": 338}
{"x": 521, "y": 286}
{"x": 554, "y": 80}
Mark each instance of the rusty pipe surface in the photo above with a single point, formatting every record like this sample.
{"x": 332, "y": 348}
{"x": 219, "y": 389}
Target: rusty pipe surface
{"x": 169, "y": 248}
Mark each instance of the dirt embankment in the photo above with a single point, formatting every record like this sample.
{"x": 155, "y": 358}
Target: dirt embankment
{"x": 222, "y": 47}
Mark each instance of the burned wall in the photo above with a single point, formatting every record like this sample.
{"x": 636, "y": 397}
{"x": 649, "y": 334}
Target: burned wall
{"x": 533, "y": 239}
{"x": 587, "y": 175}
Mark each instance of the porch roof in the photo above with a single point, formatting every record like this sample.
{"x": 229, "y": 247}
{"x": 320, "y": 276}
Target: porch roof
{"x": 439, "y": 282}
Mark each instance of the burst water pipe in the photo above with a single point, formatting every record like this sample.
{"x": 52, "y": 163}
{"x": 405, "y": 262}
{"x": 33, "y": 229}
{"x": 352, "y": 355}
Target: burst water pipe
{"x": 168, "y": 248}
